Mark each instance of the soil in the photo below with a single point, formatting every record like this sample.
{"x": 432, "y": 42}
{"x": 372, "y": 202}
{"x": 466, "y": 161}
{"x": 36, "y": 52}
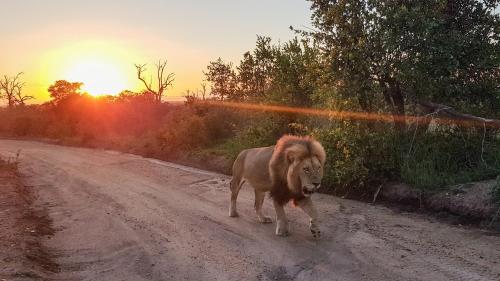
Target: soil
{"x": 119, "y": 216}
{"x": 470, "y": 203}
{"x": 22, "y": 227}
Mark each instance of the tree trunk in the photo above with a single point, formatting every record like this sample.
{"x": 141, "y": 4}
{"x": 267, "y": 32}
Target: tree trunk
{"x": 11, "y": 101}
{"x": 364, "y": 104}
{"x": 367, "y": 107}
{"x": 393, "y": 97}
{"x": 399, "y": 106}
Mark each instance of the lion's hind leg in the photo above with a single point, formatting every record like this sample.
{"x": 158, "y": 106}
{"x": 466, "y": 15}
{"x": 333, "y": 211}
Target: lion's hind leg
{"x": 235, "y": 186}
{"x": 259, "y": 201}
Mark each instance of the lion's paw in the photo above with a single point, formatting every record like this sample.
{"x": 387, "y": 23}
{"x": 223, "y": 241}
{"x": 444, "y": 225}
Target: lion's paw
{"x": 265, "y": 220}
{"x": 233, "y": 214}
{"x": 282, "y": 231}
{"x": 316, "y": 233}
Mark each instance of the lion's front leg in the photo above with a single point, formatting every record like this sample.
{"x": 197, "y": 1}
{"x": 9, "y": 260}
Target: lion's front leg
{"x": 307, "y": 206}
{"x": 281, "y": 220}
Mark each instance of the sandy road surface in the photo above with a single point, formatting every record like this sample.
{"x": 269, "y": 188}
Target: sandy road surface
{"x": 123, "y": 217}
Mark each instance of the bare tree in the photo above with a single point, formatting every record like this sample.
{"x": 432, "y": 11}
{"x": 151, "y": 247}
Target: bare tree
{"x": 163, "y": 80}
{"x": 21, "y": 98}
{"x": 190, "y": 93}
{"x": 11, "y": 88}
{"x": 191, "y": 97}
{"x": 203, "y": 91}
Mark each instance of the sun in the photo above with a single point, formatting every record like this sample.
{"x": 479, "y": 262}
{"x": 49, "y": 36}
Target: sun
{"x": 103, "y": 66}
{"x": 98, "y": 75}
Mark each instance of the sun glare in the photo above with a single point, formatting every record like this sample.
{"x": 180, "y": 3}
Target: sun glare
{"x": 99, "y": 77}
{"x": 104, "y": 68}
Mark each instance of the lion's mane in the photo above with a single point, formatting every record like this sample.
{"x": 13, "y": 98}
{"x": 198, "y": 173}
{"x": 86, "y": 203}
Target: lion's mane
{"x": 287, "y": 150}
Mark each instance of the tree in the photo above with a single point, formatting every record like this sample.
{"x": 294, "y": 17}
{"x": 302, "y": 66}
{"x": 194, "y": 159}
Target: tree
{"x": 163, "y": 80}
{"x": 63, "y": 89}
{"x": 256, "y": 70}
{"x": 246, "y": 76}
{"x": 11, "y": 88}
{"x": 399, "y": 51}
{"x": 133, "y": 97}
{"x": 264, "y": 55}
{"x": 223, "y": 79}
{"x": 291, "y": 81}
{"x": 203, "y": 91}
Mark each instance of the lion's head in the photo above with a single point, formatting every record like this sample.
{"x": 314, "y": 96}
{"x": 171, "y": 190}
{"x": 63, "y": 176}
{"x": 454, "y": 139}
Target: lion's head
{"x": 297, "y": 164}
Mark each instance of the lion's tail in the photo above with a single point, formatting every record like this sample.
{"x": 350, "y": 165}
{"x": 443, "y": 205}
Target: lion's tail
{"x": 236, "y": 182}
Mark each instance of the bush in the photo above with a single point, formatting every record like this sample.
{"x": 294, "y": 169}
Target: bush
{"x": 22, "y": 126}
{"x": 252, "y": 130}
{"x": 188, "y": 129}
{"x": 356, "y": 159}
{"x": 361, "y": 156}
{"x": 448, "y": 156}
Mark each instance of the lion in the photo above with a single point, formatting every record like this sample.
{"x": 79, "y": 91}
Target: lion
{"x": 291, "y": 170}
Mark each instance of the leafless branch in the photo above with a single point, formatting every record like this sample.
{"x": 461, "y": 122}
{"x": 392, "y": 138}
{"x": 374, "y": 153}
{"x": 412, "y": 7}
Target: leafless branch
{"x": 450, "y": 113}
{"x": 203, "y": 90}
{"x": 11, "y": 88}
{"x": 163, "y": 80}
{"x": 141, "y": 68}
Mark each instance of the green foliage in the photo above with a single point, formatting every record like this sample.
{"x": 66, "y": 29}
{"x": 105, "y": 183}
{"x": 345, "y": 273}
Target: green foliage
{"x": 345, "y": 164}
{"x": 223, "y": 79}
{"x": 357, "y": 159}
{"x": 183, "y": 132}
{"x": 449, "y": 156}
{"x": 283, "y": 73}
{"x": 188, "y": 129}
{"x": 254, "y": 129}
{"x": 445, "y": 51}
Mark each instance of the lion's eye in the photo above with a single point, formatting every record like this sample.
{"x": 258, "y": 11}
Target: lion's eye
{"x": 306, "y": 170}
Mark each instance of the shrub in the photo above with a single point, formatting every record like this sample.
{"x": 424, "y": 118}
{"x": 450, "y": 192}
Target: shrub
{"x": 355, "y": 158}
{"x": 448, "y": 156}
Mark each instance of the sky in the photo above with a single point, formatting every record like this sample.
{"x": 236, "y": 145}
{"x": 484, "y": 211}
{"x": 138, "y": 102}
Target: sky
{"x": 98, "y": 42}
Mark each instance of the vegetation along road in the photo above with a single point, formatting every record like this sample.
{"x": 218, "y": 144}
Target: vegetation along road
{"x": 123, "y": 217}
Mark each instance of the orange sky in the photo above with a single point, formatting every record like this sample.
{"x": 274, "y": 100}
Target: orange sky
{"x": 98, "y": 42}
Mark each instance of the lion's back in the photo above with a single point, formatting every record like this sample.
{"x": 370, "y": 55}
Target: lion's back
{"x": 254, "y": 165}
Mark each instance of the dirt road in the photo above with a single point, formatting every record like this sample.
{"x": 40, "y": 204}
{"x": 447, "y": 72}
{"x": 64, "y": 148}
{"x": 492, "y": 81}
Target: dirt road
{"x": 123, "y": 217}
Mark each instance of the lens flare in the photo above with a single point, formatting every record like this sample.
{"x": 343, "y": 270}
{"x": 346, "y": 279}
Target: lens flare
{"x": 360, "y": 116}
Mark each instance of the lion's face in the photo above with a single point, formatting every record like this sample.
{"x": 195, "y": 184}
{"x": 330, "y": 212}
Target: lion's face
{"x": 310, "y": 174}
{"x": 306, "y": 175}
{"x": 297, "y": 164}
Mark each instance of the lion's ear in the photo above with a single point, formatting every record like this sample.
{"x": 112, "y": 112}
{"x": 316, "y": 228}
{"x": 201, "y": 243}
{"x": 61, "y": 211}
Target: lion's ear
{"x": 291, "y": 156}
{"x": 319, "y": 152}
{"x": 293, "y": 153}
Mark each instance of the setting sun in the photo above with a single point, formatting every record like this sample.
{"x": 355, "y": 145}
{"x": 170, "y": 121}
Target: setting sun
{"x": 99, "y": 76}
{"x": 104, "y": 67}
